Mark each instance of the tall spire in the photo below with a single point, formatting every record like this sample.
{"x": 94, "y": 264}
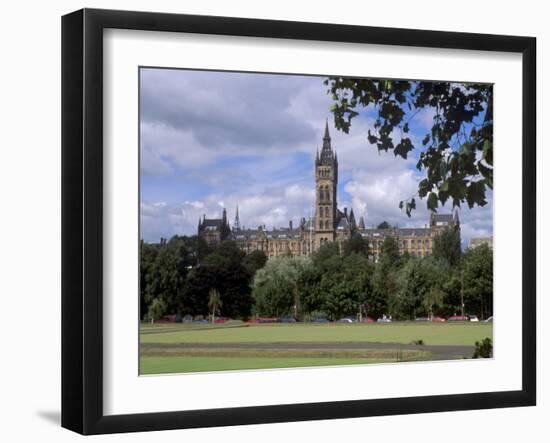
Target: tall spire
{"x": 352, "y": 220}
{"x": 237, "y": 224}
{"x": 327, "y": 136}
{"x": 327, "y": 155}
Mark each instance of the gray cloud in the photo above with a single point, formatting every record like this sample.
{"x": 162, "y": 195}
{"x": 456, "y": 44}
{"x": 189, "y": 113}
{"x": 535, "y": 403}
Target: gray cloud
{"x": 240, "y": 136}
{"x": 221, "y": 111}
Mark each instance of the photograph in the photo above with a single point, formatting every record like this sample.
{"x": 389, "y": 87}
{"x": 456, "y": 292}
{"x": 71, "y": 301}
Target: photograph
{"x": 301, "y": 221}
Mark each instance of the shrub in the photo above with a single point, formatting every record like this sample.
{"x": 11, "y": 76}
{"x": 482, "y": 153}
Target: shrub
{"x": 484, "y": 349}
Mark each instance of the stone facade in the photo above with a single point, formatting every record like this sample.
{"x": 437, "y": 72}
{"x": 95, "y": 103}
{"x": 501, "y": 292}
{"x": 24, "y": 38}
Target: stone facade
{"x": 478, "y": 241}
{"x": 329, "y": 224}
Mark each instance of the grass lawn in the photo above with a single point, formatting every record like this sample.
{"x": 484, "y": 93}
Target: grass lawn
{"x": 216, "y": 347}
{"x": 168, "y": 365}
{"x": 430, "y": 333}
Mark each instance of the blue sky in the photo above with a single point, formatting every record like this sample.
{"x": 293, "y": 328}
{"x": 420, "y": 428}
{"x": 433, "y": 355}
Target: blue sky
{"x": 217, "y": 139}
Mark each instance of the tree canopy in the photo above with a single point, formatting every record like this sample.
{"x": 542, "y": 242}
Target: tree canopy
{"x": 456, "y": 154}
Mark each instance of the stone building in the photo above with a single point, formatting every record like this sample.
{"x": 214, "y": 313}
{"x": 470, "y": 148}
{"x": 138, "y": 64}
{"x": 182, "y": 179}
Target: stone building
{"x": 329, "y": 223}
{"x": 214, "y": 230}
{"x": 478, "y": 241}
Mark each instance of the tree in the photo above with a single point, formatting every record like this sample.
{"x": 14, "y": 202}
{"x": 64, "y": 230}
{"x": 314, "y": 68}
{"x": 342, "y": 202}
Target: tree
{"x": 456, "y": 155}
{"x": 478, "y": 280}
{"x": 384, "y": 225}
{"x": 327, "y": 257}
{"x": 224, "y": 271}
{"x": 254, "y": 261}
{"x": 214, "y": 302}
{"x": 446, "y": 246}
{"x": 384, "y": 284}
{"x": 156, "y": 310}
{"x": 166, "y": 274}
{"x": 275, "y": 286}
{"x": 411, "y": 288}
{"x": 419, "y": 287}
{"x": 147, "y": 255}
{"x": 355, "y": 244}
{"x": 390, "y": 251}
{"x": 308, "y": 289}
{"x": 359, "y": 270}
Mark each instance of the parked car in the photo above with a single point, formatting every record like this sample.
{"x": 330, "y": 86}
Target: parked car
{"x": 489, "y": 320}
{"x": 384, "y": 319}
{"x": 221, "y": 320}
{"x": 347, "y": 320}
{"x": 473, "y": 318}
{"x": 320, "y": 320}
{"x": 288, "y": 319}
{"x": 458, "y": 318}
{"x": 368, "y": 320}
{"x": 438, "y": 319}
{"x": 421, "y": 319}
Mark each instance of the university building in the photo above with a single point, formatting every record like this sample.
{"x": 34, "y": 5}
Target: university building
{"x": 329, "y": 224}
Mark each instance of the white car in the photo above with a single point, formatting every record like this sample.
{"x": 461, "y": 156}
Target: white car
{"x": 474, "y": 318}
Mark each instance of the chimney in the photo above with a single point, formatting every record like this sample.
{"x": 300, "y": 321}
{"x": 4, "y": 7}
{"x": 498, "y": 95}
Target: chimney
{"x": 290, "y": 224}
{"x": 346, "y": 212}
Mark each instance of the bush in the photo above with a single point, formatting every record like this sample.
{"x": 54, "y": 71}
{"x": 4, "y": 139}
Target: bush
{"x": 484, "y": 349}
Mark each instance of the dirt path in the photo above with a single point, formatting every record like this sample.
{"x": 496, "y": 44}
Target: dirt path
{"x": 438, "y": 352}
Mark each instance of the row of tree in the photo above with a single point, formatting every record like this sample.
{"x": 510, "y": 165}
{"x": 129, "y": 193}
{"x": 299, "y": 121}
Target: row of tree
{"x": 332, "y": 283}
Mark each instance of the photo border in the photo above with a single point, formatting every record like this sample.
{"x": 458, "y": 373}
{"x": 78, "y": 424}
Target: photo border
{"x": 82, "y": 220}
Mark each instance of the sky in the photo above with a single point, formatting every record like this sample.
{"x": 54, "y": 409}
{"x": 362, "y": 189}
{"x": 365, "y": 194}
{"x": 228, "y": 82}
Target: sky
{"x": 210, "y": 140}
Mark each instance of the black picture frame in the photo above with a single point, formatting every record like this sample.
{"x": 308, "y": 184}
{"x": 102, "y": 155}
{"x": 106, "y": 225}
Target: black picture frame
{"x": 82, "y": 219}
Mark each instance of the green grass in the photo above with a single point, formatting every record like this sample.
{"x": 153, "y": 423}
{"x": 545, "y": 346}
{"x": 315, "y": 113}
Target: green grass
{"x": 170, "y": 365}
{"x": 430, "y": 333}
{"x": 176, "y": 359}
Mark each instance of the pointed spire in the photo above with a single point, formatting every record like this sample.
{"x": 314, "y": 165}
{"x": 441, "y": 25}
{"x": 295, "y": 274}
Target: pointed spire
{"x": 237, "y": 224}
{"x": 327, "y": 155}
{"x": 361, "y": 223}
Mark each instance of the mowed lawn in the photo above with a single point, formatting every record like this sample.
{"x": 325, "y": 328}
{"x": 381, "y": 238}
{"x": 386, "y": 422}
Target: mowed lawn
{"x": 171, "y": 365}
{"x": 430, "y": 333}
{"x": 209, "y": 347}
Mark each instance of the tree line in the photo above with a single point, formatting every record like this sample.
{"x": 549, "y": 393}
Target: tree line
{"x": 333, "y": 283}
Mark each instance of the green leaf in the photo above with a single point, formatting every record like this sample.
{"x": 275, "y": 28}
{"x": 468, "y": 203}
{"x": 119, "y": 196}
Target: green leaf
{"x": 403, "y": 147}
{"x": 487, "y": 174}
{"x": 432, "y": 202}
